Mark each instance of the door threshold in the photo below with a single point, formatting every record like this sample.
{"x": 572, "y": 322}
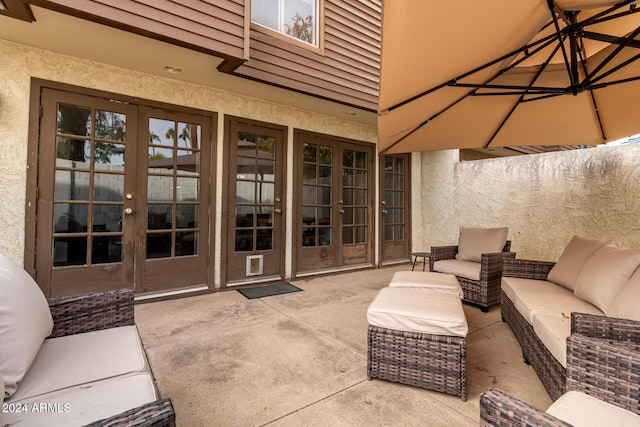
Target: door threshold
{"x": 179, "y": 293}
{"x": 255, "y": 281}
{"x": 335, "y": 270}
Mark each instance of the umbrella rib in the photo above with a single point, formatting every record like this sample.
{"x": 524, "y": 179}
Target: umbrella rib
{"x": 612, "y": 55}
{"x": 548, "y": 39}
{"x": 605, "y": 14}
{"x": 554, "y": 18}
{"x": 521, "y": 98}
{"x": 590, "y": 85}
{"x": 611, "y": 39}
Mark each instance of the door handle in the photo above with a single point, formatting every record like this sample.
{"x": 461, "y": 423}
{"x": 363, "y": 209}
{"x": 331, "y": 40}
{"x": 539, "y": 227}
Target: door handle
{"x": 128, "y": 211}
{"x": 278, "y": 210}
{"x": 341, "y": 211}
{"x": 384, "y": 211}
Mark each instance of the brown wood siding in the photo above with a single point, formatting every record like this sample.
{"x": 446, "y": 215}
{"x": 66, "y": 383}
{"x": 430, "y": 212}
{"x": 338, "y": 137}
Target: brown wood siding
{"x": 210, "y": 26}
{"x": 347, "y": 71}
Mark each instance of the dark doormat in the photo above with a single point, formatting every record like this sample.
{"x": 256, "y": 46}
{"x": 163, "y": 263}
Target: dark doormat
{"x": 267, "y": 291}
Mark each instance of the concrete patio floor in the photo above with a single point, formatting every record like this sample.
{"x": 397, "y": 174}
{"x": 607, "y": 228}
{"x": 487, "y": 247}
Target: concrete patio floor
{"x": 300, "y": 359}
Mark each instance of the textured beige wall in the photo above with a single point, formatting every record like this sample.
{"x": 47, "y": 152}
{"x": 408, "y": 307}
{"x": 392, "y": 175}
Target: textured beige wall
{"x": 544, "y": 199}
{"x": 20, "y": 63}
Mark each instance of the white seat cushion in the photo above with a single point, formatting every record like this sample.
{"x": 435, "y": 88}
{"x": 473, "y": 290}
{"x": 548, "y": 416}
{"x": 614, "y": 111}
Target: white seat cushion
{"x": 426, "y": 279}
{"x": 582, "y": 410}
{"x": 25, "y": 321}
{"x": 540, "y": 296}
{"x": 82, "y": 358}
{"x": 468, "y": 269}
{"x": 78, "y": 406}
{"x": 418, "y": 310}
{"x": 553, "y": 330}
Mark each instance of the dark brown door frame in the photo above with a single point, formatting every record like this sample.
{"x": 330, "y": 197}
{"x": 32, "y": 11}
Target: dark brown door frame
{"x": 37, "y": 85}
{"x": 381, "y": 223}
{"x": 227, "y": 176}
{"x": 298, "y": 136}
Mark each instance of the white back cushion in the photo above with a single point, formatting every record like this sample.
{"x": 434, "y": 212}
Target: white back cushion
{"x": 605, "y": 273}
{"x": 574, "y": 257}
{"x": 25, "y": 321}
{"x": 626, "y": 305}
{"x": 473, "y": 242}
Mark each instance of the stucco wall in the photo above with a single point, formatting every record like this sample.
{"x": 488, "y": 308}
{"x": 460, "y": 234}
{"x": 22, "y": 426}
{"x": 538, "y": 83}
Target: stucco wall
{"x": 544, "y": 199}
{"x": 20, "y": 63}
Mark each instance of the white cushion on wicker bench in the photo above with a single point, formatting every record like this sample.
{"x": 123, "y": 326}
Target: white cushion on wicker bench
{"x": 428, "y": 280}
{"x": 81, "y": 405}
{"x": 580, "y": 409}
{"x": 540, "y": 296}
{"x": 82, "y": 358}
{"x": 469, "y": 269}
{"x": 418, "y": 310}
{"x": 553, "y": 330}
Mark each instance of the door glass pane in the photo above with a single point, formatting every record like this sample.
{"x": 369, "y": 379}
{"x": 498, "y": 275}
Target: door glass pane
{"x": 174, "y": 179}
{"x": 255, "y": 192}
{"x": 90, "y": 170}
{"x": 394, "y": 197}
{"x": 72, "y": 153}
{"x": 317, "y": 195}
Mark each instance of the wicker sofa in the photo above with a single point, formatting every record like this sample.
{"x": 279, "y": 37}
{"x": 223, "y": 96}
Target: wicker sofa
{"x": 90, "y": 370}
{"x": 540, "y": 299}
{"x": 476, "y": 261}
{"x": 603, "y": 369}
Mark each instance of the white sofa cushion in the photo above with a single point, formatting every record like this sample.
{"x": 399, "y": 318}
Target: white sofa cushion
{"x": 541, "y": 296}
{"x": 604, "y": 275}
{"x": 566, "y": 271}
{"x": 418, "y": 310}
{"x": 473, "y": 242}
{"x": 553, "y": 330}
{"x": 25, "y": 321}
{"x": 426, "y": 279}
{"x": 581, "y": 410}
{"x": 626, "y": 304}
{"x": 467, "y": 269}
{"x": 81, "y": 405}
{"x": 82, "y": 358}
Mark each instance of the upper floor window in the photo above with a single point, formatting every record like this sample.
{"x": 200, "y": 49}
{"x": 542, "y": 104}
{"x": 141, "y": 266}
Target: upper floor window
{"x": 295, "y": 18}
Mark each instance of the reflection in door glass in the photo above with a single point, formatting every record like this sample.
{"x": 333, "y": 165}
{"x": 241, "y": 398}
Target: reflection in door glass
{"x": 355, "y": 179}
{"x": 89, "y": 186}
{"x": 394, "y": 195}
{"x": 255, "y": 192}
{"x": 316, "y": 195}
{"x": 173, "y": 188}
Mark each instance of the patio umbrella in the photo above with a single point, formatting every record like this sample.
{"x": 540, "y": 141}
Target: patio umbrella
{"x": 500, "y": 73}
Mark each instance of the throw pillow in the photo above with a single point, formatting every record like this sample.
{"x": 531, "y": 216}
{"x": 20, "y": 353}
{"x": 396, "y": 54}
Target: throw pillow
{"x": 25, "y": 321}
{"x": 605, "y": 273}
{"x": 567, "y": 269}
{"x": 626, "y": 304}
{"x": 473, "y": 242}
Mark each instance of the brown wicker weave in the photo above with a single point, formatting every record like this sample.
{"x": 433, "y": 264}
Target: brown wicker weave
{"x": 91, "y": 312}
{"x": 159, "y": 414}
{"x": 433, "y": 362}
{"x": 553, "y": 375}
{"x": 486, "y": 291}
{"x": 547, "y": 367}
{"x": 605, "y": 368}
{"x": 103, "y": 310}
{"x": 498, "y": 408}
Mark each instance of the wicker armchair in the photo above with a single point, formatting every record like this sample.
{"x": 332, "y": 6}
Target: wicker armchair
{"x": 486, "y": 291}
{"x": 104, "y": 310}
{"x": 603, "y": 361}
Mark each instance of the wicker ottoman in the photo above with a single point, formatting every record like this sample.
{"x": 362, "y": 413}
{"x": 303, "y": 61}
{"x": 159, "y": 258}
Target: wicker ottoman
{"x": 426, "y": 279}
{"x": 418, "y": 337}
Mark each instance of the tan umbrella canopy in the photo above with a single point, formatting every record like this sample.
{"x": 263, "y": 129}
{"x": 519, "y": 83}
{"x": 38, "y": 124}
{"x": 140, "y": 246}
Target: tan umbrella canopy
{"x": 500, "y": 73}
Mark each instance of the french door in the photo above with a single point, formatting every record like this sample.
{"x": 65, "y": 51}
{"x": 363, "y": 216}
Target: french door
{"x": 334, "y": 188}
{"x": 120, "y": 196}
{"x": 255, "y": 202}
{"x": 394, "y": 208}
